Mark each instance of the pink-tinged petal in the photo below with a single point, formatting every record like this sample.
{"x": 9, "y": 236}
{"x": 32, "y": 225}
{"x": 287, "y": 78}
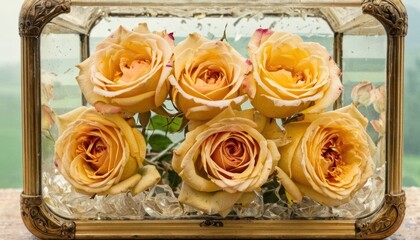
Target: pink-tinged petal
{"x": 48, "y": 117}
{"x": 362, "y": 93}
{"x": 379, "y": 125}
{"x": 379, "y": 99}
{"x": 260, "y": 36}
{"x": 107, "y": 108}
{"x": 249, "y": 86}
{"x": 170, "y": 39}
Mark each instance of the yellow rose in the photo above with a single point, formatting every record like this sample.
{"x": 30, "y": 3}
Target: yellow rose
{"x": 207, "y": 78}
{"x": 101, "y": 154}
{"x": 128, "y": 71}
{"x": 330, "y": 155}
{"x": 224, "y": 160}
{"x": 290, "y": 76}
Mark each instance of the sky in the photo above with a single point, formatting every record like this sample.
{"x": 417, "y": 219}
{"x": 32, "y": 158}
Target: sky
{"x": 10, "y": 42}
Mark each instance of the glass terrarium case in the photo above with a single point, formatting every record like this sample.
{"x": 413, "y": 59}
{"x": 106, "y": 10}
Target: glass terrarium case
{"x": 212, "y": 119}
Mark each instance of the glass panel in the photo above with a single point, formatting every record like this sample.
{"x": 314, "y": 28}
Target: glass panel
{"x": 238, "y": 29}
{"x": 60, "y": 53}
{"x": 59, "y": 94}
{"x": 346, "y": 19}
{"x": 364, "y": 78}
{"x": 272, "y": 199}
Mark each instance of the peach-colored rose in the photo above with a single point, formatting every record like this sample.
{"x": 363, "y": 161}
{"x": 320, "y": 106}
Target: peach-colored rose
{"x": 101, "y": 154}
{"x": 231, "y": 155}
{"x": 47, "y": 86}
{"x": 362, "y": 93}
{"x": 207, "y": 78}
{"x": 128, "y": 71}
{"x": 47, "y": 118}
{"x": 330, "y": 156}
{"x": 47, "y": 94}
{"x": 379, "y": 99}
{"x": 379, "y": 125}
{"x": 290, "y": 76}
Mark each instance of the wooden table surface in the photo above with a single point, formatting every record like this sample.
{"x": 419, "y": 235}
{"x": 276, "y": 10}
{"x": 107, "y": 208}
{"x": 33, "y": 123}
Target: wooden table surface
{"x": 11, "y": 226}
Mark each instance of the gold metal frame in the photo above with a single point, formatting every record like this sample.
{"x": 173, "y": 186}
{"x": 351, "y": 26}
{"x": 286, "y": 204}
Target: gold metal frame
{"x": 43, "y": 223}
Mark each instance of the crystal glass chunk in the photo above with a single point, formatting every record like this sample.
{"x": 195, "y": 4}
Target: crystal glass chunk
{"x": 308, "y": 208}
{"x": 276, "y": 211}
{"x": 253, "y": 209}
{"x": 161, "y": 202}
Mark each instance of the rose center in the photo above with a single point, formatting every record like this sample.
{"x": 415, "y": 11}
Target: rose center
{"x": 93, "y": 150}
{"x": 129, "y": 70}
{"x": 233, "y": 150}
{"x": 233, "y": 154}
{"x": 331, "y": 152}
{"x": 298, "y": 77}
{"x": 210, "y": 76}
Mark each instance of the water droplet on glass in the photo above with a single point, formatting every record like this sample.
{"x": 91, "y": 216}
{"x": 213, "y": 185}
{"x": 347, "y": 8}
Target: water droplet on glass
{"x": 272, "y": 25}
{"x": 200, "y": 16}
{"x": 237, "y": 36}
{"x": 210, "y": 35}
{"x": 259, "y": 16}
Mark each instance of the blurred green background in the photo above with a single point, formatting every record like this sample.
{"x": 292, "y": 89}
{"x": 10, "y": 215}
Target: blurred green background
{"x": 10, "y": 98}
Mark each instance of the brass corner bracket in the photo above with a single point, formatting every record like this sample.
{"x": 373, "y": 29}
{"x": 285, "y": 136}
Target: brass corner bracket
{"x": 41, "y": 222}
{"x": 392, "y": 14}
{"x": 35, "y": 14}
{"x": 385, "y": 221}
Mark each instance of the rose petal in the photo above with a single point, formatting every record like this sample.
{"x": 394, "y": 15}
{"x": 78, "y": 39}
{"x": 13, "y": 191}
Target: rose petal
{"x": 150, "y": 176}
{"x": 123, "y": 186}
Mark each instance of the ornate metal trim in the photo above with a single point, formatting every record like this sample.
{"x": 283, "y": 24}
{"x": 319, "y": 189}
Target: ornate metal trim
{"x": 385, "y": 221}
{"x": 41, "y": 222}
{"x": 392, "y": 14}
{"x": 35, "y": 14}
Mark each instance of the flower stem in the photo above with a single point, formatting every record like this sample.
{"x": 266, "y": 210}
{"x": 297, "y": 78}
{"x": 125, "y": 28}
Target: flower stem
{"x": 165, "y": 151}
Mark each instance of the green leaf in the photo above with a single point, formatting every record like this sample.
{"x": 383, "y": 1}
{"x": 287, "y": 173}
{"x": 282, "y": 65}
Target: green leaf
{"x": 159, "y": 142}
{"x": 173, "y": 178}
{"x": 165, "y": 124}
{"x": 166, "y": 158}
{"x": 271, "y": 194}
